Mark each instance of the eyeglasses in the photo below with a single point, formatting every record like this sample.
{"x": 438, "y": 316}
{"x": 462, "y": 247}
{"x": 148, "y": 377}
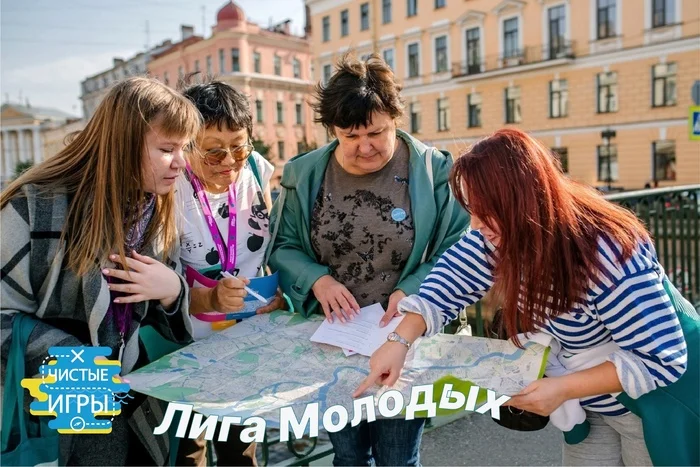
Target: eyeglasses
{"x": 217, "y": 155}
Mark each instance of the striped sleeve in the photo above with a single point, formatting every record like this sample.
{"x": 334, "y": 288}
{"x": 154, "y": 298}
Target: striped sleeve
{"x": 461, "y": 277}
{"x": 642, "y": 321}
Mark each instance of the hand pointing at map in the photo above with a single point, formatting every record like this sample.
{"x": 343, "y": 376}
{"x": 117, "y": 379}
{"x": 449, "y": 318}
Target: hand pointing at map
{"x": 385, "y": 366}
{"x": 387, "y": 362}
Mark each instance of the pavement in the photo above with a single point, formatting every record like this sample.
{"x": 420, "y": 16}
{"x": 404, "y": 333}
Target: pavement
{"x": 470, "y": 440}
{"x": 478, "y": 440}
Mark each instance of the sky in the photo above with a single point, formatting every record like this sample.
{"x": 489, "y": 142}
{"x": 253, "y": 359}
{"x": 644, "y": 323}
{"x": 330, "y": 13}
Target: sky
{"x": 47, "y": 47}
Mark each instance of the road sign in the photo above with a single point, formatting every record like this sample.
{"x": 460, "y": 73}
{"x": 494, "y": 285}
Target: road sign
{"x": 694, "y": 123}
{"x": 695, "y": 92}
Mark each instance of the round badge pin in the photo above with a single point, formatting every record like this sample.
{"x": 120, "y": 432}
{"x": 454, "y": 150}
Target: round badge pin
{"x": 398, "y": 214}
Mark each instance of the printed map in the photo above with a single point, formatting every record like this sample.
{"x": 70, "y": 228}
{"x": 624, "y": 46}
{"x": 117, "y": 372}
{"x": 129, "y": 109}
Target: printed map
{"x": 267, "y": 362}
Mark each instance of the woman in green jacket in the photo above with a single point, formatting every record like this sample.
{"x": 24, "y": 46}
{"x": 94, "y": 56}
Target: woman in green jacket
{"x": 362, "y": 221}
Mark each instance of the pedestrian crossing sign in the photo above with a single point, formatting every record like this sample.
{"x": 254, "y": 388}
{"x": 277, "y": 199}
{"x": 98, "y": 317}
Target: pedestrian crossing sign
{"x": 694, "y": 122}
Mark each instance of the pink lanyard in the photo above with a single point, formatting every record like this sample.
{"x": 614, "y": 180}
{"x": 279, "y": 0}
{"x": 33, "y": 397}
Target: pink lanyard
{"x": 226, "y": 258}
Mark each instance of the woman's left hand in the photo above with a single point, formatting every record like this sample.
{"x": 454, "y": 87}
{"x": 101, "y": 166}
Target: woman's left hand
{"x": 146, "y": 279}
{"x": 542, "y": 397}
{"x": 392, "y": 309}
{"x": 277, "y": 303}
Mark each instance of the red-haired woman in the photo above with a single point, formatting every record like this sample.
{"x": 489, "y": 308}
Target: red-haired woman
{"x": 568, "y": 264}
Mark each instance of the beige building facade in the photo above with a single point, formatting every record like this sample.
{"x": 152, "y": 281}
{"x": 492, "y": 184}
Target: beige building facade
{"x": 605, "y": 83}
{"x": 30, "y": 135}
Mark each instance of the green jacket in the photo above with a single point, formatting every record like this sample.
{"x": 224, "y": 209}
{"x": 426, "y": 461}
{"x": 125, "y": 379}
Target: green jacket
{"x": 439, "y": 221}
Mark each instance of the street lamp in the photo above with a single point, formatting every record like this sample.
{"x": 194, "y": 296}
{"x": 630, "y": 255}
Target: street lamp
{"x": 607, "y": 135}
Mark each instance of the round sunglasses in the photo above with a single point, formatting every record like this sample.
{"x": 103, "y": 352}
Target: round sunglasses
{"x": 217, "y": 155}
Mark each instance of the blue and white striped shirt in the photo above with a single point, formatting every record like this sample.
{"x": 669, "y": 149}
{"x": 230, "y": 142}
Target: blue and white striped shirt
{"x": 625, "y": 303}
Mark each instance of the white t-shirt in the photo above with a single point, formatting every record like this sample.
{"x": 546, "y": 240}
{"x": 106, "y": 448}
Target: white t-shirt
{"x": 197, "y": 248}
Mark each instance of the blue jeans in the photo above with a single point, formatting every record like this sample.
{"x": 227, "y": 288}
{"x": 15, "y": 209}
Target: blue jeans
{"x": 386, "y": 441}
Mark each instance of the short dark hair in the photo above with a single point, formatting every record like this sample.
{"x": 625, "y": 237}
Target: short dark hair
{"x": 220, "y": 104}
{"x": 358, "y": 88}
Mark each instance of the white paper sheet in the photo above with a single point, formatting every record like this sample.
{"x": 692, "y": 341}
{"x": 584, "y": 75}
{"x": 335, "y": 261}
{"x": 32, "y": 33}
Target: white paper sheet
{"x": 361, "y": 334}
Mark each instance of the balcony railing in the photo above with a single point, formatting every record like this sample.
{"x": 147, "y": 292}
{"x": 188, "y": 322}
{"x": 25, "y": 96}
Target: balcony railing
{"x": 527, "y": 56}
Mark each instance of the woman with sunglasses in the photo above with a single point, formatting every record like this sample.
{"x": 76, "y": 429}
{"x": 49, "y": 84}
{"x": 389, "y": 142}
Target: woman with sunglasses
{"x": 224, "y": 197}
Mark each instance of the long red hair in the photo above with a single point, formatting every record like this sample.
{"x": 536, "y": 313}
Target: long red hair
{"x": 549, "y": 225}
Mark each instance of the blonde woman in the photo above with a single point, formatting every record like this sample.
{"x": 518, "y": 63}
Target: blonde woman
{"x": 79, "y": 221}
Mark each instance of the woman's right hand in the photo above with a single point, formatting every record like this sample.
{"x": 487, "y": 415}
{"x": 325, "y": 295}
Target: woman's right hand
{"x": 384, "y": 367}
{"x": 335, "y": 299}
{"x": 228, "y": 295}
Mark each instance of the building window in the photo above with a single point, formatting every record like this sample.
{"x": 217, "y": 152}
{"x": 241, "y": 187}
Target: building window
{"x": 511, "y": 42}
{"x": 411, "y": 7}
{"x": 557, "y": 31}
{"x": 166, "y": 79}
{"x": 296, "y": 66}
{"x": 278, "y": 65}
{"x": 607, "y": 92}
{"x": 607, "y": 163}
{"x": 473, "y": 51}
{"x": 210, "y": 69}
{"x": 180, "y": 73}
{"x": 235, "y": 60}
{"x": 301, "y": 147}
{"x": 513, "y": 114}
{"x": 413, "y": 61}
{"x": 386, "y": 11}
{"x": 364, "y": 17}
{"x": 297, "y": 111}
{"x": 344, "y": 23}
{"x": 326, "y": 73}
{"x": 664, "y": 160}
{"x": 439, "y": 4}
{"x": 563, "y": 155}
{"x": 607, "y": 18}
{"x": 558, "y": 98}
{"x": 662, "y": 13}
{"x": 443, "y": 114}
{"x": 221, "y": 61}
{"x": 388, "y": 55}
{"x": 280, "y": 149}
{"x": 326, "y": 28}
{"x": 474, "y": 110}
{"x": 414, "y": 111}
{"x": 441, "y": 54}
{"x": 280, "y": 112}
{"x": 663, "y": 87}
{"x": 256, "y": 62}
{"x": 196, "y": 66}
{"x": 259, "y": 110}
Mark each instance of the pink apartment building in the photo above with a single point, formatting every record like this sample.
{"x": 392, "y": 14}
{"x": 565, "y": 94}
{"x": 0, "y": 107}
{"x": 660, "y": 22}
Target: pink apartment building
{"x": 270, "y": 65}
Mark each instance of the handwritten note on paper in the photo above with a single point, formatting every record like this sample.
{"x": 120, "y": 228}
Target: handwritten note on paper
{"x": 361, "y": 334}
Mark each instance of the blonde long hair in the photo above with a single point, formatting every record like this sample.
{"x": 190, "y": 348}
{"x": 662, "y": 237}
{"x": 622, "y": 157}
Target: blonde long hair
{"x": 100, "y": 170}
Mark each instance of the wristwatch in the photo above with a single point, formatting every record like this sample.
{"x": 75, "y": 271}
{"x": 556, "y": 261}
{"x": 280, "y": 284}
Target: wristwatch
{"x": 393, "y": 337}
